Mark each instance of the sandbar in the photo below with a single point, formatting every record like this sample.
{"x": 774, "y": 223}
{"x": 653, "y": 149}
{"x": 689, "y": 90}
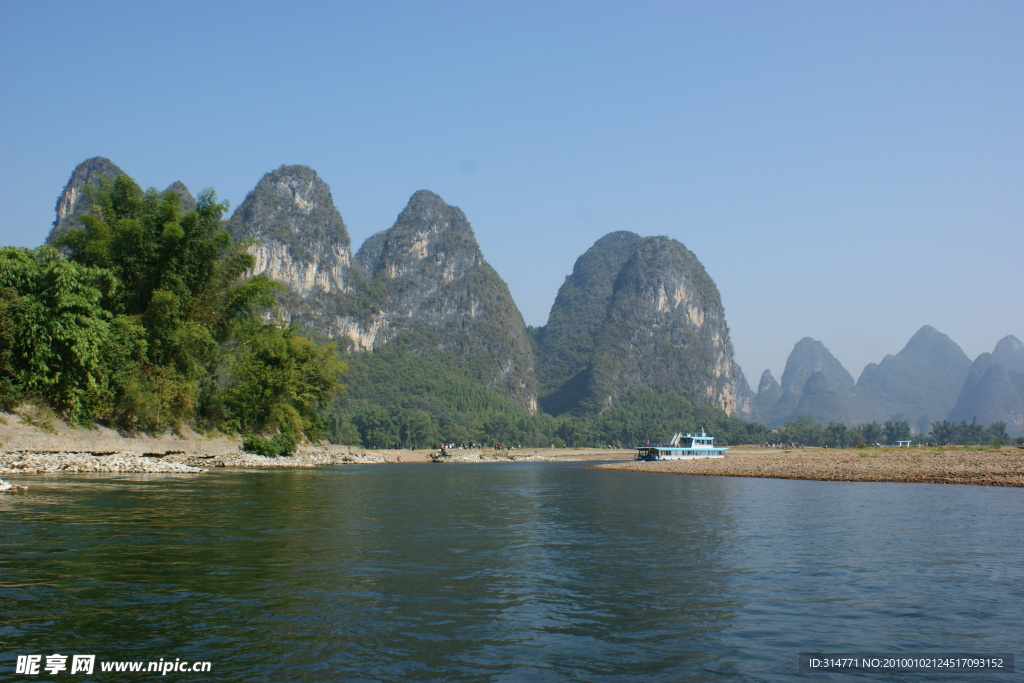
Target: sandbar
{"x": 987, "y": 467}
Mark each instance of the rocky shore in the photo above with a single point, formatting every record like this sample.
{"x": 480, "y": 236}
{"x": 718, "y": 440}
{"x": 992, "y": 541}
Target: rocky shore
{"x": 72, "y": 455}
{"x": 990, "y": 467}
{"x": 176, "y": 462}
{"x": 26, "y": 451}
{"x": 20, "y": 462}
{"x": 23, "y": 450}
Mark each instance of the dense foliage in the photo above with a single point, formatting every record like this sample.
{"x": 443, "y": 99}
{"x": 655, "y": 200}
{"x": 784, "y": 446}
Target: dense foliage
{"x": 805, "y": 431}
{"x": 57, "y": 341}
{"x": 971, "y": 432}
{"x": 399, "y": 398}
{"x": 146, "y": 322}
{"x": 405, "y": 395}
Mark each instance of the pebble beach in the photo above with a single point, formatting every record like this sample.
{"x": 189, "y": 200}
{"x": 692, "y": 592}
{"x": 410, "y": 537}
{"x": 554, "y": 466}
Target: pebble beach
{"x": 988, "y": 467}
{"x": 72, "y": 450}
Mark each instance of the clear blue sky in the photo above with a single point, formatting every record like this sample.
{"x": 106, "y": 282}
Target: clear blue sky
{"x": 848, "y": 171}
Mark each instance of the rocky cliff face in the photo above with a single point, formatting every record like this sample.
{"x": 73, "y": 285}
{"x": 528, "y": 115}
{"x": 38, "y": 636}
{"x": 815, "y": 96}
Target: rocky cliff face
{"x": 745, "y": 408}
{"x": 814, "y": 383}
{"x": 920, "y": 384}
{"x": 299, "y": 239}
{"x": 431, "y": 288}
{"x": 1009, "y": 353}
{"x": 72, "y": 201}
{"x": 565, "y": 345}
{"x": 994, "y": 388}
{"x": 423, "y": 283}
{"x": 637, "y": 314}
{"x": 768, "y": 394}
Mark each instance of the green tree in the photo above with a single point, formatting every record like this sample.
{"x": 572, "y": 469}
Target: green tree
{"x": 943, "y": 432}
{"x": 150, "y": 247}
{"x": 149, "y": 322}
{"x": 896, "y": 431}
{"x": 417, "y": 429}
{"x": 802, "y": 430}
{"x": 997, "y": 432}
{"x": 836, "y": 434}
{"x": 279, "y": 381}
{"x": 179, "y": 276}
{"x": 376, "y": 427}
{"x": 871, "y": 433}
{"x": 58, "y": 343}
{"x": 971, "y": 433}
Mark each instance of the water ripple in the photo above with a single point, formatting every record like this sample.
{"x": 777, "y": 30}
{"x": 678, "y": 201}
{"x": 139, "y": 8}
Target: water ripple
{"x": 504, "y": 573}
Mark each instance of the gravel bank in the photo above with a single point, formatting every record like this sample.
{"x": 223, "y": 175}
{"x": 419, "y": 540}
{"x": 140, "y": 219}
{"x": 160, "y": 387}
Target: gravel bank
{"x": 69, "y": 462}
{"x": 988, "y": 468}
{"x": 192, "y": 461}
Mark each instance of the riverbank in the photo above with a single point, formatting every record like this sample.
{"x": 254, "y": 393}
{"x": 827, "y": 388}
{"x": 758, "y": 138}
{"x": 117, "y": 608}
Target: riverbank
{"x": 62, "y": 448}
{"x": 55, "y": 455}
{"x": 473, "y": 455}
{"x": 190, "y": 460}
{"x": 989, "y": 467}
{"x": 66, "y": 449}
{"x": 32, "y": 447}
{"x": 50, "y": 455}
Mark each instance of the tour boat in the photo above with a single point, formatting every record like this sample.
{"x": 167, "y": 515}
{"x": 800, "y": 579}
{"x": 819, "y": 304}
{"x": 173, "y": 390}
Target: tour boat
{"x": 683, "y": 447}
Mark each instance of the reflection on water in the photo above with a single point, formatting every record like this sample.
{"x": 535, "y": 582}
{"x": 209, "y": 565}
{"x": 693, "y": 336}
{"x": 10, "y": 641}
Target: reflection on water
{"x": 502, "y": 572}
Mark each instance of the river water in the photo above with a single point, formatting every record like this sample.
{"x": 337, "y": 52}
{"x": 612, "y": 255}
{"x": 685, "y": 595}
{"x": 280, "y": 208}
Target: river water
{"x": 502, "y": 572}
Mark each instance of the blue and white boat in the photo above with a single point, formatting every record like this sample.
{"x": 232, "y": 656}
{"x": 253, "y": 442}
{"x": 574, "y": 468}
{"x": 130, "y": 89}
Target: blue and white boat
{"x": 683, "y": 447}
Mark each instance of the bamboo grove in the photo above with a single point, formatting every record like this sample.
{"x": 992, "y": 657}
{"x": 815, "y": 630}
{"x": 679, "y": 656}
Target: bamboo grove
{"x": 143, "y": 319}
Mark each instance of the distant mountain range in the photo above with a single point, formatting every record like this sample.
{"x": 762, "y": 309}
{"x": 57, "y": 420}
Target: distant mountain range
{"x": 637, "y": 314}
{"x": 930, "y": 380}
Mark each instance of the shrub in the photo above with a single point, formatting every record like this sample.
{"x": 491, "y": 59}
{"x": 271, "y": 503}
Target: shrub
{"x": 282, "y": 443}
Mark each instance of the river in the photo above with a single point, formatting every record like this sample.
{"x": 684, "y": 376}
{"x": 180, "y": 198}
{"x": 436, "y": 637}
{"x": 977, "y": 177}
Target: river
{"x": 501, "y": 572}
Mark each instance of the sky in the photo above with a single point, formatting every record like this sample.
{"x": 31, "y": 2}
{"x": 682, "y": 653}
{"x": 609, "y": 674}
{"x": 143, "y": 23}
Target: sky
{"x": 846, "y": 171}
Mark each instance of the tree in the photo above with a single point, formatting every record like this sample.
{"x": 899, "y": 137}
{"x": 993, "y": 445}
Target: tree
{"x": 802, "y": 430}
{"x": 280, "y": 381}
{"x": 943, "y": 432}
{"x": 896, "y": 431}
{"x": 150, "y": 247}
{"x": 58, "y": 342}
{"x": 971, "y": 433}
{"x": 997, "y": 432}
{"x": 417, "y": 429}
{"x": 835, "y": 435}
{"x": 180, "y": 276}
{"x": 871, "y": 433}
{"x": 376, "y": 428}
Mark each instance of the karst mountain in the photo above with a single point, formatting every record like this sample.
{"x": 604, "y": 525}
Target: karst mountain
{"x": 637, "y": 315}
